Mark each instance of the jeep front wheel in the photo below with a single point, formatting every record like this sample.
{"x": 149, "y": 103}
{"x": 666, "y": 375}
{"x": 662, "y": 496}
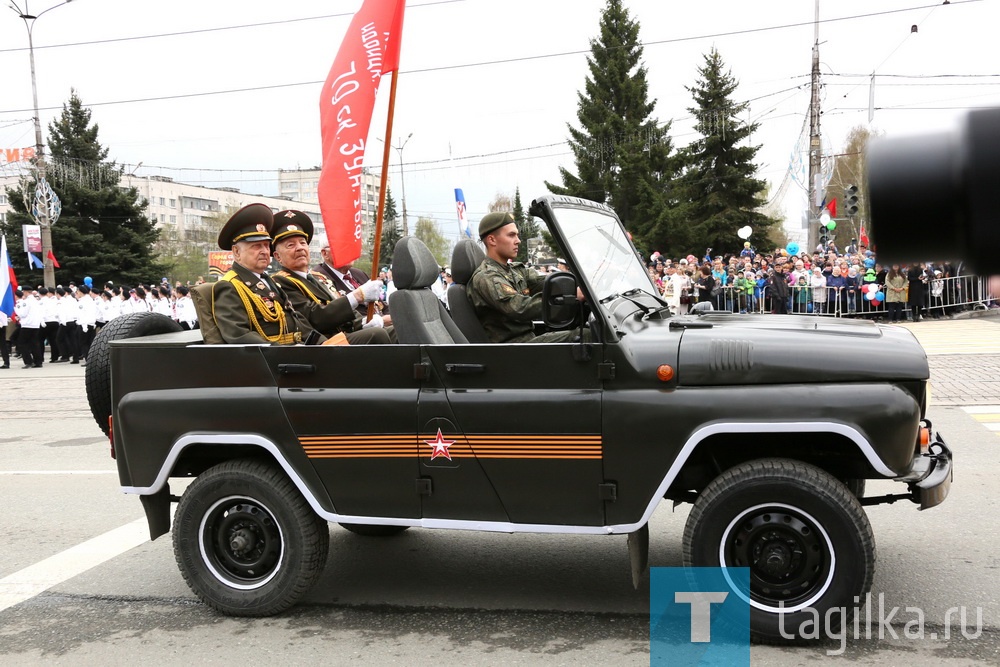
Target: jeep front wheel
{"x": 801, "y": 533}
{"x": 246, "y": 541}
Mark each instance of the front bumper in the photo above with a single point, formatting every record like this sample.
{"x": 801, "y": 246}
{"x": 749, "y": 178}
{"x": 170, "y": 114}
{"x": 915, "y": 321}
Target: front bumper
{"x": 930, "y": 476}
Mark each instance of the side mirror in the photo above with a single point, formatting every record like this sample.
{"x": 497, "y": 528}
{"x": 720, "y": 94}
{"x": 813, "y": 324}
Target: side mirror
{"x": 560, "y": 309}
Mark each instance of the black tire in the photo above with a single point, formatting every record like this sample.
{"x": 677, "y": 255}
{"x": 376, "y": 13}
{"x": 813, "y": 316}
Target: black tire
{"x": 819, "y": 544}
{"x": 371, "y": 530}
{"x": 246, "y": 541}
{"x": 98, "y": 373}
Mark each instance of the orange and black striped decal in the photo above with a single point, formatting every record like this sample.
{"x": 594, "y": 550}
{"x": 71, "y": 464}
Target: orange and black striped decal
{"x": 521, "y": 446}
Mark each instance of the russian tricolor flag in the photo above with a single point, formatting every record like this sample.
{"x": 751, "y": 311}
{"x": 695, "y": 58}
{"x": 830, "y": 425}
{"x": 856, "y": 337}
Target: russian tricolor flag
{"x": 8, "y": 281}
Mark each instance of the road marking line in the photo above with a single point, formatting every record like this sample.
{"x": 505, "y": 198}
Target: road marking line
{"x": 34, "y": 579}
{"x": 981, "y": 409}
{"x": 58, "y": 472}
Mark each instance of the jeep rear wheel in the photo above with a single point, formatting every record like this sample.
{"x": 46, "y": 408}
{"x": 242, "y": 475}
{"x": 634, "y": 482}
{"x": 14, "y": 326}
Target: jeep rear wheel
{"x": 246, "y": 541}
{"x": 802, "y": 534}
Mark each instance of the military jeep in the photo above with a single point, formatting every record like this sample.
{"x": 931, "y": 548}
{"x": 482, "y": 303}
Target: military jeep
{"x": 585, "y": 437}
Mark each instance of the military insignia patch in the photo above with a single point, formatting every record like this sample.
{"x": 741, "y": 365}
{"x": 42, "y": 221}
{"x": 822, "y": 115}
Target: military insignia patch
{"x": 292, "y": 228}
{"x": 507, "y": 289}
{"x": 260, "y": 285}
{"x": 261, "y": 228}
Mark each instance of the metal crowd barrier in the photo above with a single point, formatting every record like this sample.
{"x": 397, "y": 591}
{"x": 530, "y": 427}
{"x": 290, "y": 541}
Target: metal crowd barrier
{"x": 943, "y": 297}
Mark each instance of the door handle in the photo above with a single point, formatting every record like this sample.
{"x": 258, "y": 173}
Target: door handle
{"x": 296, "y": 369}
{"x": 465, "y": 369}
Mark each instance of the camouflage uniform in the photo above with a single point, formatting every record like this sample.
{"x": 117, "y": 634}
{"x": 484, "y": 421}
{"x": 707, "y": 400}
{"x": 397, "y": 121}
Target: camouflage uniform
{"x": 507, "y": 299}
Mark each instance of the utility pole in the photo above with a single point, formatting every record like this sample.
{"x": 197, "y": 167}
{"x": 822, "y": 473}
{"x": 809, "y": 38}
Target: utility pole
{"x": 402, "y": 180}
{"x": 42, "y": 215}
{"x": 815, "y": 188}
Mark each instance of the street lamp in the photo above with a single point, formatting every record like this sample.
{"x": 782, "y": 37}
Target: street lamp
{"x": 49, "y": 277}
{"x": 402, "y": 178}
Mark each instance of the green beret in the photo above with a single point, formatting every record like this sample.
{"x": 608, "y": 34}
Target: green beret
{"x": 250, "y": 223}
{"x": 494, "y": 221}
{"x": 291, "y": 223}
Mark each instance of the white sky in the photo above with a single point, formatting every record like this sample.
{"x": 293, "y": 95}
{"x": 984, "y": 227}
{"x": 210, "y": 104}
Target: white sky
{"x": 512, "y": 112}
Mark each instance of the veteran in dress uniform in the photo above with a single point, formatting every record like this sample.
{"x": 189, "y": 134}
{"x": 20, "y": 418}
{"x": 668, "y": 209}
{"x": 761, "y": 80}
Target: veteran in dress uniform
{"x": 327, "y": 311}
{"x": 506, "y": 295}
{"x": 246, "y": 304}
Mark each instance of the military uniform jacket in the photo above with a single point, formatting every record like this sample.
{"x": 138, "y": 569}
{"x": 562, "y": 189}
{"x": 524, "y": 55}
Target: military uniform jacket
{"x": 327, "y": 311}
{"x": 507, "y": 299}
{"x": 268, "y": 319}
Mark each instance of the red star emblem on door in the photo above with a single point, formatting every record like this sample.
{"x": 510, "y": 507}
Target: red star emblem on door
{"x": 439, "y": 446}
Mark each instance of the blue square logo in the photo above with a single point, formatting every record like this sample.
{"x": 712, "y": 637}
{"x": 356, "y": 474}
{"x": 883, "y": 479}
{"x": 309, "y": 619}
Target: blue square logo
{"x": 697, "y": 617}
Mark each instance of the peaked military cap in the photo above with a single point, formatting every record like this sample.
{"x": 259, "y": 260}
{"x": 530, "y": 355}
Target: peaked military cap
{"x": 253, "y": 222}
{"x": 494, "y": 221}
{"x": 291, "y": 223}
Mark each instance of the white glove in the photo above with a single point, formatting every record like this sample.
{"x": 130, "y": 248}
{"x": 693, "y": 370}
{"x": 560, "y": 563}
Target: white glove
{"x": 371, "y": 290}
{"x": 375, "y": 321}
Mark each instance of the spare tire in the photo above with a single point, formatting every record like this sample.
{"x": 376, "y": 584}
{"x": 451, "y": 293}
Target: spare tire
{"x": 98, "y": 374}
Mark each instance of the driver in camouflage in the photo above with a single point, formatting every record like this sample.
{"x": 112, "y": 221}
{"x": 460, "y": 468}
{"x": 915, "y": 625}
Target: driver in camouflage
{"x": 507, "y": 296}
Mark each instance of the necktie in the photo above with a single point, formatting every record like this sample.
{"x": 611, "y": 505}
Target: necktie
{"x": 351, "y": 281}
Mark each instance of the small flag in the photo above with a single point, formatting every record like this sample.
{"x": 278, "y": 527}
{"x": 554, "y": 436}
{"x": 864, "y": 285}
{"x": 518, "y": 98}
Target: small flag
{"x": 832, "y": 207}
{"x": 463, "y": 221}
{"x": 863, "y": 236}
{"x": 34, "y": 262}
{"x": 55, "y": 262}
{"x": 8, "y": 281}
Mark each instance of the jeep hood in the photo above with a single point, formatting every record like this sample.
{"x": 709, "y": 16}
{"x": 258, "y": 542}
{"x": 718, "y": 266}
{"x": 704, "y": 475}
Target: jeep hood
{"x": 724, "y": 349}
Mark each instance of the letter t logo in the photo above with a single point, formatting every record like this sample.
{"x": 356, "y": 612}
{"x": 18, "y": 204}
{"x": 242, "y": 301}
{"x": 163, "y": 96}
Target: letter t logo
{"x": 701, "y": 612}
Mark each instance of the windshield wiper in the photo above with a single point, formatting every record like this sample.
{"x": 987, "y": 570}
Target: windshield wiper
{"x": 639, "y": 290}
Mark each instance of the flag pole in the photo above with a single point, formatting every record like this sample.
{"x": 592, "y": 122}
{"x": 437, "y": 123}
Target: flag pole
{"x": 380, "y": 213}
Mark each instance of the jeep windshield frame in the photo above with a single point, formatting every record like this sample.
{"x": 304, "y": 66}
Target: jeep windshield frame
{"x": 602, "y": 256}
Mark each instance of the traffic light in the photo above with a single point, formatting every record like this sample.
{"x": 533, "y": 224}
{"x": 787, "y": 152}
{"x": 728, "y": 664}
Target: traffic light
{"x": 851, "y": 205}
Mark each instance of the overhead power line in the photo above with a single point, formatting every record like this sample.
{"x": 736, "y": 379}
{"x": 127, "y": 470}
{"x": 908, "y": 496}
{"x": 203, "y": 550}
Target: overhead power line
{"x": 441, "y": 67}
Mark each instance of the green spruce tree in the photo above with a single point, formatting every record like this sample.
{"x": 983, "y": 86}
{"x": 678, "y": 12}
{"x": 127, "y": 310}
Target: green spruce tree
{"x": 392, "y": 231}
{"x": 720, "y": 191}
{"x": 103, "y": 231}
{"x": 527, "y": 228}
{"x": 622, "y": 155}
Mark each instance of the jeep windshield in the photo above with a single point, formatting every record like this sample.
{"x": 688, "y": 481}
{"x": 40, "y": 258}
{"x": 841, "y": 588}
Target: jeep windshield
{"x": 604, "y": 256}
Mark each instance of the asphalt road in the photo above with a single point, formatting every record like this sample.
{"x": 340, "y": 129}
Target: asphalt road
{"x": 429, "y": 597}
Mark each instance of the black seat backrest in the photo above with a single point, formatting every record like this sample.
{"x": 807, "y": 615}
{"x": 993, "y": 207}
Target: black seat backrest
{"x": 466, "y": 257}
{"x": 418, "y": 315}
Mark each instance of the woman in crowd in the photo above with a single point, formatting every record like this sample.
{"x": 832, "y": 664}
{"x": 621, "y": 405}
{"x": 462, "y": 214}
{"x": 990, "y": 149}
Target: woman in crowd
{"x": 705, "y": 283}
{"x": 895, "y": 293}
{"x": 916, "y": 278}
{"x": 818, "y": 285}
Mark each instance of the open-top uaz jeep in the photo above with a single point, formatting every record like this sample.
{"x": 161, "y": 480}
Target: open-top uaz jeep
{"x": 769, "y": 425}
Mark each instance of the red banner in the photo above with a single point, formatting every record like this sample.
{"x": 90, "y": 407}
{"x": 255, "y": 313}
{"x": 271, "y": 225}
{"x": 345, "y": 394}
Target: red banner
{"x": 369, "y": 50}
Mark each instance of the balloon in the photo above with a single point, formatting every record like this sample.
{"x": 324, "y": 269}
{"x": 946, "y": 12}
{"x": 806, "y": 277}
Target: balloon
{"x": 871, "y": 296}
{"x": 792, "y": 248}
{"x": 879, "y": 297}
{"x": 831, "y": 225}
{"x": 88, "y": 281}
{"x": 744, "y": 232}
{"x": 824, "y": 218}
{"x": 869, "y": 263}
{"x": 865, "y": 288}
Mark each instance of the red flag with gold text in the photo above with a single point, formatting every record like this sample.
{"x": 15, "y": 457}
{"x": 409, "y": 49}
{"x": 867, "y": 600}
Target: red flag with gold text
{"x": 369, "y": 51}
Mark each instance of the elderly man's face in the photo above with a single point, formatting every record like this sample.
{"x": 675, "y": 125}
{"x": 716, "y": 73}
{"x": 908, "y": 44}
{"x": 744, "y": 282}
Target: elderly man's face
{"x": 252, "y": 255}
{"x": 293, "y": 253}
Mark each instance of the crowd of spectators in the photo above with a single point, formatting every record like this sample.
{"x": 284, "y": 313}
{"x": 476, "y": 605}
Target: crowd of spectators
{"x": 848, "y": 283}
{"x": 64, "y": 320}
